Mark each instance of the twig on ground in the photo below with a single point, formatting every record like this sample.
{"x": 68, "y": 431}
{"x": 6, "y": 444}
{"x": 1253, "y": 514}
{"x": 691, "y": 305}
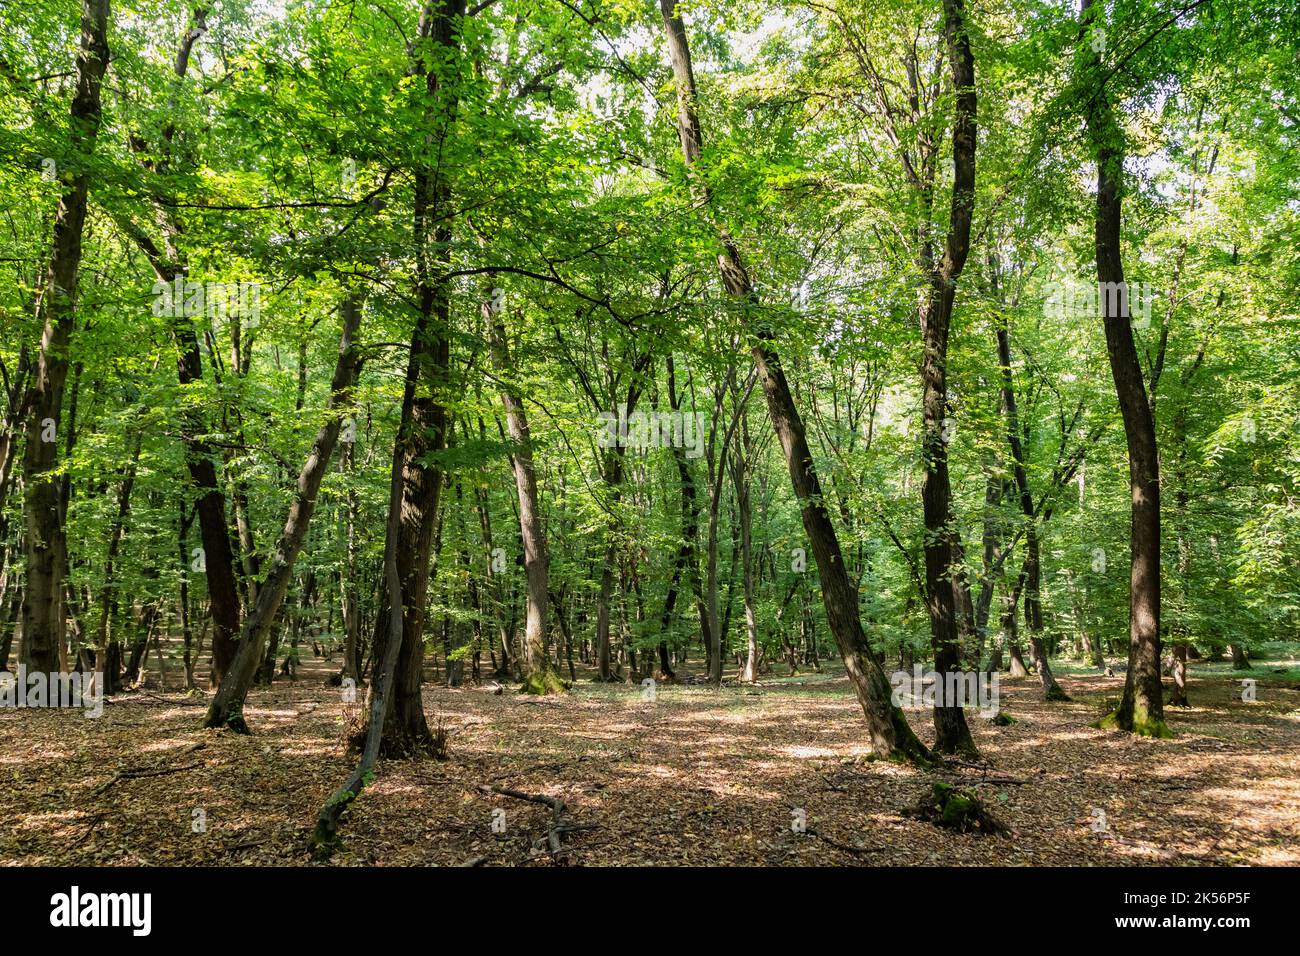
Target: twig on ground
{"x": 844, "y": 847}
{"x": 560, "y": 823}
{"x": 137, "y": 772}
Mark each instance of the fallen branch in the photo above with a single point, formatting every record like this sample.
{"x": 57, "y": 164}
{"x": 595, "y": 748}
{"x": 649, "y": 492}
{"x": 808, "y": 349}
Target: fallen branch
{"x": 246, "y": 845}
{"x": 138, "y": 772}
{"x": 560, "y": 823}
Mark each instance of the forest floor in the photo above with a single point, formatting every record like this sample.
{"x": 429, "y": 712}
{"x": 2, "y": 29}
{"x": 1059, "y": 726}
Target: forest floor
{"x": 698, "y": 776}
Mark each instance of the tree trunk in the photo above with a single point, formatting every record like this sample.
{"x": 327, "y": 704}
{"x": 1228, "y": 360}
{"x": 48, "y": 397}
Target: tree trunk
{"x": 108, "y": 595}
{"x": 44, "y": 539}
{"x": 539, "y": 676}
{"x": 216, "y": 557}
{"x": 422, "y": 431}
{"x": 349, "y": 597}
{"x": 890, "y": 733}
{"x": 740, "y": 475}
{"x": 324, "y": 837}
{"x": 1179, "y": 696}
{"x": 506, "y": 666}
{"x": 1032, "y": 568}
{"x": 227, "y": 709}
{"x": 952, "y": 733}
{"x": 1141, "y": 709}
{"x": 187, "y": 628}
{"x": 687, "y": 562}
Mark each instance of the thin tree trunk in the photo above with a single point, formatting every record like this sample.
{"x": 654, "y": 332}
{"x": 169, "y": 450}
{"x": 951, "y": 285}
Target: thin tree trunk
{"x": 1032, "y": 570}
{"x": 108, "y": 596}
{"x": 740, "y": 476}
{"x": 324, "y": 837}
{"x": 539, "y": 675}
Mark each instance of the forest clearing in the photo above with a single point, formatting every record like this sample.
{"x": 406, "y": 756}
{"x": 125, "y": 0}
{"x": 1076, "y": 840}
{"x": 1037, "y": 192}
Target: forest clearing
{"x": 650, "y": 433}
{"x": 698, "y": 776}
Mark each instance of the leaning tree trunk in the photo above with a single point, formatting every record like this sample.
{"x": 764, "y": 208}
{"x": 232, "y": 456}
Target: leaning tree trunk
{"x": 324, "y": 837}
{"x": 891, "y": 735}
{"x": 227, "y": 708}
{"x": 1141, "y": 709}
{"x": 44, "y": 539}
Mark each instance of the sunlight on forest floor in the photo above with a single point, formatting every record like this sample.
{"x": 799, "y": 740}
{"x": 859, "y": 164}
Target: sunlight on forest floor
{"x": 697, "y": 776}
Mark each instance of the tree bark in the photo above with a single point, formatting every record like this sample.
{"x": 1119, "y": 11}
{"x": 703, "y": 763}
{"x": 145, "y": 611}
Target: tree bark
{"x": 227, "y": 708}
{"x": 217, "y": 554}
{"x": 1032, "y": 567}
{"x": 1141, "y": 709}
{"x": 740, "y": 476}
{"x": 539, "y": 676}
{"x": 890, "y": 733}
{"x": 108, "y": 595}
{"x": 44, "y": 541}
{"x": 952, "y": 733}
{"x": 422, "y": 431}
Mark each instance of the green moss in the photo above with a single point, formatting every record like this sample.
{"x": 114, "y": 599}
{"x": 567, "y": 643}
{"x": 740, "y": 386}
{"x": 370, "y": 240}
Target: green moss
{"x": 1141, "y": 724}
{"x": 958, "y": 810}
{"x": 324, "y": 841}
{"x": 908, "y": 748}
{"x": 544, "y": 682}
{"x": 1150, "y": 727}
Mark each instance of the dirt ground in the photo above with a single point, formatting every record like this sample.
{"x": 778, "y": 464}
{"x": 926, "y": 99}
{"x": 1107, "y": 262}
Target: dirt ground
{"x": 697, "y": 776}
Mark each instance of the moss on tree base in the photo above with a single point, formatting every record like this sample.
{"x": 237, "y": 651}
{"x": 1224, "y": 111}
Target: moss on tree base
{"x": 323, "y": 842}
{"x": 1143, "y": 726}
{"x": 908, "y": 748}
{"x": 543, "y": 683}
{"x": 234, "y": 722}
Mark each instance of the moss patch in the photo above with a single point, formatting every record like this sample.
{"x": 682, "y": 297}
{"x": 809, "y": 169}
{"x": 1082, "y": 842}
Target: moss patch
{"x": 543, "y": 683}
{"x": 958, "y": 810}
